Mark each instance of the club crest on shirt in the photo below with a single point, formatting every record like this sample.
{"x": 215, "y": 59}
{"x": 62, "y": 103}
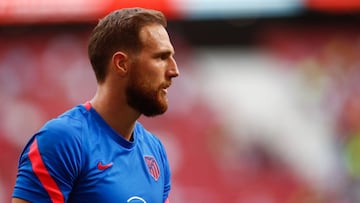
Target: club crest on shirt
{"x": 152, "y": 166}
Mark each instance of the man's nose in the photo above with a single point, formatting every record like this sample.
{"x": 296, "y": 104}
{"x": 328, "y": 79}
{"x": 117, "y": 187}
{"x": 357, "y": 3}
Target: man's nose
{"x": 173, "y": 69}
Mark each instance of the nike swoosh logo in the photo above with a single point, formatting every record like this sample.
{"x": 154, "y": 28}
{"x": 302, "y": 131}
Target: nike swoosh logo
{"x": 104, "y": 166}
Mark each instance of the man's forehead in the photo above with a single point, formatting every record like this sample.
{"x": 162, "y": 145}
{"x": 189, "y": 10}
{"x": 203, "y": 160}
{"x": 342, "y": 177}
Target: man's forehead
{"x": 155, "y": 36}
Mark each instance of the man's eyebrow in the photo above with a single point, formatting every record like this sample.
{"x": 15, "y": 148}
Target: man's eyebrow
{"x": 165, "y": 52}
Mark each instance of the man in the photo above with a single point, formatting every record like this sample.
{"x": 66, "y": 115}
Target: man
{"x": 98, "y": 151}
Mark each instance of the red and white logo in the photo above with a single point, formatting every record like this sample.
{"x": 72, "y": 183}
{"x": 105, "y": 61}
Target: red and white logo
{"x": 152, "y": 166}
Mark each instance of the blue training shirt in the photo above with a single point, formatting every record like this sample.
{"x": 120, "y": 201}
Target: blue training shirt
{"x": 78, "y": 157}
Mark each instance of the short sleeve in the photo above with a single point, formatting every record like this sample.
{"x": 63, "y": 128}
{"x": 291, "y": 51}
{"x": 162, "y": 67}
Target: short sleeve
{"x": 50, "y": 163}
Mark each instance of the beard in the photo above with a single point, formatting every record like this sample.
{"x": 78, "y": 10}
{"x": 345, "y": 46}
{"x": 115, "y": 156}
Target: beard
{"x": 144, "y": 98}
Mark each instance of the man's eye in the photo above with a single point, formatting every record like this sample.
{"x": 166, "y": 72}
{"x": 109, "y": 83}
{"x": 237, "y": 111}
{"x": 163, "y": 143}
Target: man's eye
{"x": 163, "y": 56}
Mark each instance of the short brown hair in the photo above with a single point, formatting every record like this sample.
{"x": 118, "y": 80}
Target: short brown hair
{"x": 119, "y": 30}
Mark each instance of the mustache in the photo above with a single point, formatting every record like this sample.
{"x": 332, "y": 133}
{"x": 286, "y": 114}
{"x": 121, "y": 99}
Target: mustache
{"x": 166, "y": 85}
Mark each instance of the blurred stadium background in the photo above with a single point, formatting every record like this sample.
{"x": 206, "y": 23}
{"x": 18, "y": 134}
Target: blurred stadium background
{"x": 267, "y": 108}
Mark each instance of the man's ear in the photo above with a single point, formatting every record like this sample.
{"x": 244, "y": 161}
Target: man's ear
{"x": 120, "y": 62}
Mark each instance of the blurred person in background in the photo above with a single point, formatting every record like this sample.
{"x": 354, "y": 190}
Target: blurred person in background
{"x": 98, "y": 151}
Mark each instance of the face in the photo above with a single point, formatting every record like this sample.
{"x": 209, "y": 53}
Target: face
{"x": 151, "y": 72}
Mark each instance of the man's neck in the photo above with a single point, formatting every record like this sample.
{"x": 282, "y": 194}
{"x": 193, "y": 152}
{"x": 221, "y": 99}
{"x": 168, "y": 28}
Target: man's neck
{"x": 117, "y": 114}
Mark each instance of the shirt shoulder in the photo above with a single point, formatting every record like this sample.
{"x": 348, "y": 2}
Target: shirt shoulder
{"x": 72, "y": 119}
{"x": 145, "y": 135}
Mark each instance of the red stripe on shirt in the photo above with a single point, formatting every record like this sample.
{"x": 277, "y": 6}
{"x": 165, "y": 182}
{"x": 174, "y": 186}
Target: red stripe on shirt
{"x": 42, "y": 173}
